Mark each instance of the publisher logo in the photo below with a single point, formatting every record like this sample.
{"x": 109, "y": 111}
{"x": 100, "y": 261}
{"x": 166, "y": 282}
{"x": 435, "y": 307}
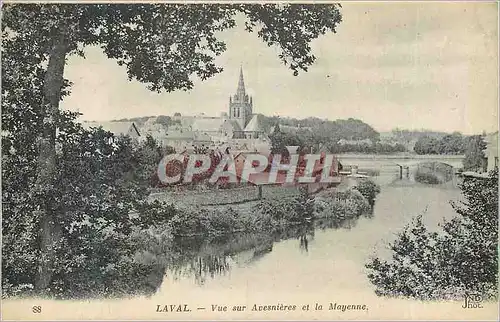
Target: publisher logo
{"x": 473, "y": 301}
{"x": 252, "y": 168}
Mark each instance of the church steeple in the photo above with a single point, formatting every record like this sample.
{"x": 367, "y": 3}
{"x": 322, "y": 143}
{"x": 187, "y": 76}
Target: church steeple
{"x": 240, "y": 92}
{"x": 240, "y": 105}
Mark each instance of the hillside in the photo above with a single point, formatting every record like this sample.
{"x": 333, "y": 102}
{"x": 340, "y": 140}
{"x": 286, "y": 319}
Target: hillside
{"x": 350, "y": 129}
{"x": 346, "y": 135}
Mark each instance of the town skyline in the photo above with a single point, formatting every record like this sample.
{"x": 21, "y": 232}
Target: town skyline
{"x": 422, "y": 70}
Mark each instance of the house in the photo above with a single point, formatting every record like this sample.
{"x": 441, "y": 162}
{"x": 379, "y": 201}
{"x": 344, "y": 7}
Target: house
{"x": 117, "y": 128}
{"x": 154, "y": 128}
{"x": 239, "y": 126}
{"x": 253, "y": 130}
{"x": 239, "y": 163}
{"x": 491, "y": 151}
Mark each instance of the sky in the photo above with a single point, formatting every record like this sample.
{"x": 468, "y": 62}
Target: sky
{"x": 416, "y": 65}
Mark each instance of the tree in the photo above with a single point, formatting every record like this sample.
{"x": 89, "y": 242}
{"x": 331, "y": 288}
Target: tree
{"x": 475, "y": 159}
{"x": 304, "y": 204}
{"x": 150, "y": 154}
{"x": 460, "y": 259}
{"x": 312, "y": 131}
{"x": 426, "y": 145}
{"x": 369, "y": 190}
{"x": 160, "y": 45}
{"x": 278, "y": 144}
{"x": 98, "y": 183}
{"x": 164, "y": 120}
{"x": 451, "y": 144}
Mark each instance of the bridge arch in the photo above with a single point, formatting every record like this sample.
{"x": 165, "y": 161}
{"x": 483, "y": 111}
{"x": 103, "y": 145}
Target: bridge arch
{"x": 412, "y": 163}
{"x": 405, "y": 166}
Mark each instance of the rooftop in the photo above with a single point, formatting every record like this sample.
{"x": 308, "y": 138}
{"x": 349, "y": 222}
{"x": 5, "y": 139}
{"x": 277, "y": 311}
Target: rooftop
{"x": 113, "y": 127}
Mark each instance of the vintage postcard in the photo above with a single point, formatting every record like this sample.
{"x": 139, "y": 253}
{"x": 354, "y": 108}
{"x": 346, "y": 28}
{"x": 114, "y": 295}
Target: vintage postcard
{"x": 249, "y": 160}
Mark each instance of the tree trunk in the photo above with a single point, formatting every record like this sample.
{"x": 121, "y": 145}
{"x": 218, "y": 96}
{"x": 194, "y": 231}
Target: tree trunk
{"x": 49, "y": 228}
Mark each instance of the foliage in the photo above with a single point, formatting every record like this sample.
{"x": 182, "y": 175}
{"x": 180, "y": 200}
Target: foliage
{"x": 99, "y": 183}
{"x": 139, "y": 121}
{"x": 150, "y": 153}
{"x": 341, "y": 205}
{"x": 474, "y": 154}
{"x": 460, "y": 259}
{"x": 89, "y": 187}
{"x": 100, "y": 179}
{"x": 369, "y": 190}
{"x": 427, "y": 177}
{"x": 376, "y": 148}
{"x": 313, "y": 131}
{"x": 434, "y": 173}
{"x": 153, "y": 46}
{"x": 166, "y": 121}
{"x": 211, "y": 222}
{"x": 304, "y": 204}
{"x": 409, "y": 135}
{"x": 426, "y": 145}
{"x": 441, "y": 143}
{"x": 452, "y": 144}
{"x": 280, "y": 140}
{"x": 282, "y": 211}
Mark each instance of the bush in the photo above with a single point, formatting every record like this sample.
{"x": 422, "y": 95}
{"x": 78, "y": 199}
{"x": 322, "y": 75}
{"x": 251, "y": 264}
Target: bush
{"x": 100, "y": 180}
{"x": 369, "y": 190}
{"x": 460, "y": 259}
{"x": 341, "y": 205}
{"x": 258, "y": 222}
{"x": 304, "y": 205}
{"x": 280, "y": 210}
{"x": 206, "y": 222}
{"x": 434, "y": 173}
{"x": 427, "y": 177}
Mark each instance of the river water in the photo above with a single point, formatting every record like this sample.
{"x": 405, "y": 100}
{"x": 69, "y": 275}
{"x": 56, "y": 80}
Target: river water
{"x": 319, "y": 260}
{"x": 310, "y": 267}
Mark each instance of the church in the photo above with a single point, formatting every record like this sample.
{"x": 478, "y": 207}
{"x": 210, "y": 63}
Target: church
{"x": 246, "y": 124}
{"x": 238, "y": 128}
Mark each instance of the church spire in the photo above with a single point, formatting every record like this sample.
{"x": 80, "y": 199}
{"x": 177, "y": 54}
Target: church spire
{"x": 241, "y": 85}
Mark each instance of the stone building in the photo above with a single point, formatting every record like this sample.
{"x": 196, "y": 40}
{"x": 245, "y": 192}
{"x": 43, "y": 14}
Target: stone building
{"x": 238, "y": 128}
{"x": 241, "y": 105}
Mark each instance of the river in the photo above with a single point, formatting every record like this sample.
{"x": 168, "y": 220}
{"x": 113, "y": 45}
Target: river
{"x": 309, "y": 267}
{"x": 309, "y": 263}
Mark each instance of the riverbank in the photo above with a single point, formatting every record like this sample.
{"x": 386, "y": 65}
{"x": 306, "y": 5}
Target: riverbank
{"x": 207, "y": 241}
{"x": 145, "y": 251}
{"x": 251, "y": 226}
{"x": 402, "y": 155}
{"x": 267, "y": 215}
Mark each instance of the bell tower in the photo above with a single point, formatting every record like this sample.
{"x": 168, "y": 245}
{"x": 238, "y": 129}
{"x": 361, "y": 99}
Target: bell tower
{"x": 240, "y": 104}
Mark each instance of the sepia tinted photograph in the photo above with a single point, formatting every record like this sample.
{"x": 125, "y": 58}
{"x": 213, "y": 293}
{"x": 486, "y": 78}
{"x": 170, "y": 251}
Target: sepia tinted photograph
{"x": 249, "y": 160}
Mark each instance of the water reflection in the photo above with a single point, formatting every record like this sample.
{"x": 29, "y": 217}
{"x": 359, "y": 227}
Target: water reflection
{"x": 304, "y": 242}
{"x": 305, "y": 258}
{"x": 202, "y": 259}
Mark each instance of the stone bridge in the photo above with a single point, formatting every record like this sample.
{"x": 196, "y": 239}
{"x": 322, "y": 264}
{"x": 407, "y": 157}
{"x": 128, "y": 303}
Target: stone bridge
{"x": 404, "y": 162}
{"x": 453, "y": 161}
